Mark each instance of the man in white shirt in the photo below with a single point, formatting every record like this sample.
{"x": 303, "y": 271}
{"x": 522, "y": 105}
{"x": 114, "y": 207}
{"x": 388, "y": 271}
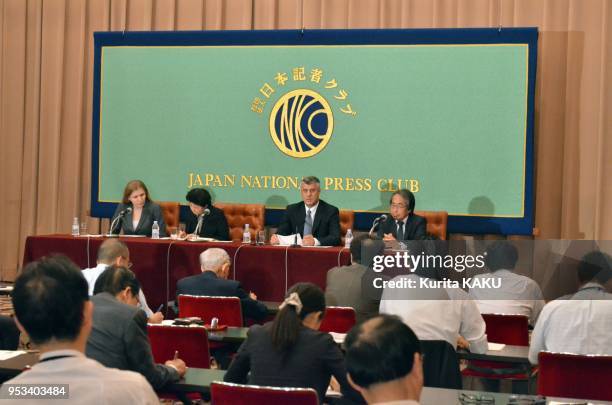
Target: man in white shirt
{"x": 579, "y": 323}
{"x": 518, "y": 294}
{"x": 52, "y": 306}
{"x": 113, "y": 251}
{"x": 383, "y": 361}
{"x": 432, "y": 307}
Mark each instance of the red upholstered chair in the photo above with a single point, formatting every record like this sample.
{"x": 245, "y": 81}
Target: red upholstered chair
{"x": 239, "y": 214}
{"x": 509, "y": 330}
{"x": 347, "y": 221}
{"x": 338, "y": 319}
{"x": 226, "y": 309}
{"x": 191, "y": 343}
{"x": 437, "y": 222}
{"x": 575, "y": 376}
{"x": 227, "y": 393}
{"x": 170, "y": 211}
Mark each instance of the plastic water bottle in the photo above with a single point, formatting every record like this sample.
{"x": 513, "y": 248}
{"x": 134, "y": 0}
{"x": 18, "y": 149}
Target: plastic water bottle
{"x": 155, "y": 231}
{"x": 75, "y": 226}
{"x": 246, "y": 235}
{"x": 348, "y": 238}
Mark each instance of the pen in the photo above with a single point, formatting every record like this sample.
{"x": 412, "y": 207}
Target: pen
{"x": 175, "y": 354}
{"x": 160, "y": 308}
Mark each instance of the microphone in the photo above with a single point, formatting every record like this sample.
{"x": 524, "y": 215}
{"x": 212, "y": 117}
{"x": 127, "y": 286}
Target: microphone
{"x": 118, "y": 218}
{"x": 295, "y": 244}
{"x": 201, "y": 221}
{"x": 376, "y": 222}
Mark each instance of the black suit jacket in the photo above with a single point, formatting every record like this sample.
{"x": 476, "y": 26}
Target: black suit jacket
{"x": 214, "y": 226}
{"x": 207, "y": 283}
{"x": 414, "y": 229}
{"x": 150, "y": 212}
{"x": 310, "y": 363}
{"x": 119, "y": 340}
{"x": 325, "y": 226}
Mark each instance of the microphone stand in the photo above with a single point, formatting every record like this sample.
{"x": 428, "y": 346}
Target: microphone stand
{"x": 113, "y": 224}
{"x": 295, "y": 244}
{"x": 374, "y": 226}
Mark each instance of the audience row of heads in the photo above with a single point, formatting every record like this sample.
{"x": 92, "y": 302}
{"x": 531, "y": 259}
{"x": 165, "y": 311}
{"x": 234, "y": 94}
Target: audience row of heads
{"x": 52, "y": 305}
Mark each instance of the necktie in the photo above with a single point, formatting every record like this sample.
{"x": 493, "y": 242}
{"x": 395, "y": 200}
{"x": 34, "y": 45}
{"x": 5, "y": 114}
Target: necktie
{"x": 308, "y": 224}
{"x": 400, "y": 230}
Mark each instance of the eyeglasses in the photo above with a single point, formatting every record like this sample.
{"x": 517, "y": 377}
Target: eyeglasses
{"x": 398, "y": 206}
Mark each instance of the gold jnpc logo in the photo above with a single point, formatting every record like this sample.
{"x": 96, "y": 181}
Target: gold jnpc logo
{"x": 301, "y": 123}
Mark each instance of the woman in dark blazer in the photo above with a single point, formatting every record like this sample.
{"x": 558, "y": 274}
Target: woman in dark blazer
{"x": 208, "y": 220}
{"x": 290, "y": 351}
{"x": 139, "y": 220}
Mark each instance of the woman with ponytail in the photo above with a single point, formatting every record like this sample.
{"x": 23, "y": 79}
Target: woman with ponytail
{"x": 290, "y": 351}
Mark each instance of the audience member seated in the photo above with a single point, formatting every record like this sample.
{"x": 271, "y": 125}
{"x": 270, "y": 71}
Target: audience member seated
{"x": 137, "y": 212}
{"x": 204, "y": 219}
{"x": 215, "y": 264}
{"x": 290, "y": 351}
{"x": 402, "y": 223}
{"x": 119, "y": 335}
{"x": 518, "y": 295}
{"x": 52, "y": 306}
{"x": 383, "y": 360}
{"x": 579, "y": 323}
{"x": 343, "y": 287}
{"x": 115, "y": 252}
{"x": 317, "y": 221}
{"x": 435, "y": 312}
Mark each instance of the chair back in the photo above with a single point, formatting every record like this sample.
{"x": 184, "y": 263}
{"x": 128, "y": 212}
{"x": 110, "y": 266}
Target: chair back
{"x": 338, "y": 319}
{"x": 226, "y": 309}
{"x": 507, "y": 329}
{"x": 227, "y": 393}
{"x": 347, "y": 221}
{"x": 191, "y": 343}
{"x": 9, "y": 334}
{"x": 239, "y": 214}
{"x": 440, "y": 365}
{"x": 575, "y": 376}
{"x": 171, "y": 213}
{"x": 437, "y": 222}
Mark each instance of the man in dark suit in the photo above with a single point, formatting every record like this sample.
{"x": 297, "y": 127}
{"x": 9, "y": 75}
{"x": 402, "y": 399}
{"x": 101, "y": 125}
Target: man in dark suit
{"x": 403, "y": 224}
{"x": 204, "y": 219}
{"x": 119, "y": 334}
{"x": 215, "y": 264}
{"x": 344, "y": 283}
{"x": 317, "y": 221}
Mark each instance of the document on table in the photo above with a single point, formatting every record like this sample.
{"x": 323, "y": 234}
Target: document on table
{"x": 338, "y": 337}
{"x": 496, "y": 346}
{"x": 286, "y": 240}
{"x": 9, "y": 354}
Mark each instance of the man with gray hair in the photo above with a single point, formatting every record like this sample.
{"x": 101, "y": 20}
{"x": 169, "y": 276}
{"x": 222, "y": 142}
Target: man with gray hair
{"x": 315, "y": 220}
{"x": 215, "y": 264}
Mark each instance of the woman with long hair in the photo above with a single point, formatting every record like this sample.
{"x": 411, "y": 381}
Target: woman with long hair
{"x": 290, "y": 351}
{"x": 138, "y": 212}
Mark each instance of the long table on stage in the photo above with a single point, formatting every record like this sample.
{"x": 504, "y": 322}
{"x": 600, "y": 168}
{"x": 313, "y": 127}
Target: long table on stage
{"x": 159, "y": 263}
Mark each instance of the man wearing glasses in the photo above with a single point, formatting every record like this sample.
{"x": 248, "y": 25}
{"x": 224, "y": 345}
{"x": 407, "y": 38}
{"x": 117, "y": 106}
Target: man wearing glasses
{"x": 403, "y": 224}
{"x": 115, "y": 252}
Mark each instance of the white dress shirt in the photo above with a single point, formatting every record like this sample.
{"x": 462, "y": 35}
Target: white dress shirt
{"x": 313, "y": 211}
{"x": 518, "y": 295}
{"x": 449, "y": 313}
{"x": 578, "y": 325}
{"x": 89, "y": 382}
{"x": 92, "y": 274}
